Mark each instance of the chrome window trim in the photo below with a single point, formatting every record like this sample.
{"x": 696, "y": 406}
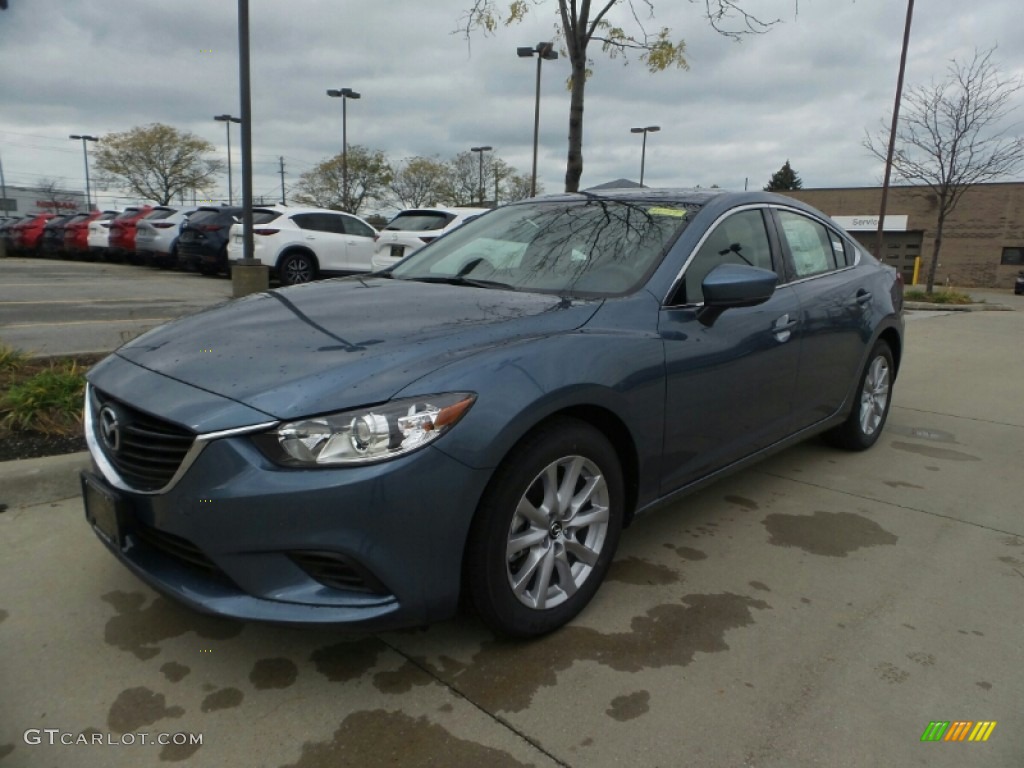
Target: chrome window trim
{"x": 200, "y": 442}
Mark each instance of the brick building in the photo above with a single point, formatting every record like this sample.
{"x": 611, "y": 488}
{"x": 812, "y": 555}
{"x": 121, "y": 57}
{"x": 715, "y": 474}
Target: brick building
{"x": 982, "y": 241}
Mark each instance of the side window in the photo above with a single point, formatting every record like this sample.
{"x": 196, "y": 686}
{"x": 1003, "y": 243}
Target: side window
{"x": 332, "y": 222}
{"x": 810, "y": 244}
{"x": 739, "y": 239}
{"x": 306, "y": 220}
{"x": 354, "y": 226}
{"x": 842, "y": 249}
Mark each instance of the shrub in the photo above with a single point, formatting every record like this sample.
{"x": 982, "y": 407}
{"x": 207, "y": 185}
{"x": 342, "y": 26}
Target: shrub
{"x": 48, "y": 401}
{"x": 939, "y": 297}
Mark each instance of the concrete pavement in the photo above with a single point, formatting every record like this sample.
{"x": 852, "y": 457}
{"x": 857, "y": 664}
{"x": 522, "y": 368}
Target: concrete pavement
{"x": 817, "y": 610}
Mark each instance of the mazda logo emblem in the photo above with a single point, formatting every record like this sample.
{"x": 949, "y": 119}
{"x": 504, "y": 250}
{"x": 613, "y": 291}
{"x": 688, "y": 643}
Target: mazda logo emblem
{"x": 110, "y": 429}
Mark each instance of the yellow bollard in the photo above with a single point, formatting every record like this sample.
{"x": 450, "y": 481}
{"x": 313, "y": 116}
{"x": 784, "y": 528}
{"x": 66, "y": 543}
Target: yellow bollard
{"x": 917, "y": 269}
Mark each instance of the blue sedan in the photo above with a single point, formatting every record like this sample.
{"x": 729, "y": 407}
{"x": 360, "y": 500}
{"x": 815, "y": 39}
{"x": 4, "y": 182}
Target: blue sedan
{"x": 484, "y": 418}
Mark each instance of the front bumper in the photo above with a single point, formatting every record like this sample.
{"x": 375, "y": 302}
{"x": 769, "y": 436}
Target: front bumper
{"x": 231, "y": 538}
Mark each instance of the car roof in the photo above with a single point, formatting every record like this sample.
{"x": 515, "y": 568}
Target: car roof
{"x": 710, "y": 198}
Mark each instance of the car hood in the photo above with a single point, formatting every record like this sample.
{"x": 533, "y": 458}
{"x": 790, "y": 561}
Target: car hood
{"x": 339, "y": 344}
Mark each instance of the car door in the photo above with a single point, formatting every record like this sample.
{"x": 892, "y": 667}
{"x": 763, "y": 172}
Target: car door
{"x": 321, "y": 236}
{"x": 730, "y": 383}
{"x": 360, "y": 243}
{"x": 835, "y": 313}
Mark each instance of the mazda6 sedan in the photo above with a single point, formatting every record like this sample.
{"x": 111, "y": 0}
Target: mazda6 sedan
{"x": 482, "y": 420}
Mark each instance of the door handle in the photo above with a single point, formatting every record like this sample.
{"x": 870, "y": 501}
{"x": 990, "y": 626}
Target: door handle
{"x": 861, "y": 298}
{"x": 783, "y": 328}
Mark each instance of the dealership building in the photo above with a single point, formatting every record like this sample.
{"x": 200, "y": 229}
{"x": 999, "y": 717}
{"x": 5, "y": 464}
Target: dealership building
{"x": 982, "y": 240}
{"x": 17, "y": 201}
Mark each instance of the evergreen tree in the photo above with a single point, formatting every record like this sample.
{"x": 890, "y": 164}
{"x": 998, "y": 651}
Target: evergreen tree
{"x": 784, "y": 179}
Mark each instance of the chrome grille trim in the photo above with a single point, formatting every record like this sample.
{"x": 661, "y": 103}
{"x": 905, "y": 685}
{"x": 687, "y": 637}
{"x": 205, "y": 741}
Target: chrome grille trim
{"x": 199, "y": 443}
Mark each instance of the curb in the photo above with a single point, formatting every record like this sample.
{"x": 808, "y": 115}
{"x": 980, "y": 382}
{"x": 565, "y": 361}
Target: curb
{"x": 39, "y": 481}
{"x": 922, "y": 305}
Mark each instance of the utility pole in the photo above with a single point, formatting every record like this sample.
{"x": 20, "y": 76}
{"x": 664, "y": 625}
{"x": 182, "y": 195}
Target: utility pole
{"x": 281, "y": 159}
{"x": 3, "y": 186}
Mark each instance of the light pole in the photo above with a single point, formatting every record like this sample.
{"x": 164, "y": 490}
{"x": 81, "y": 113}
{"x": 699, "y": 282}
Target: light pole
{"x": 643, "y": 151}
{"x": 480, "y": 151}
{"x": 228, "y": 120}
{"x": 344, "y": 94}
{"x": 85, "y": 153}
{"x": 543, "y": 51}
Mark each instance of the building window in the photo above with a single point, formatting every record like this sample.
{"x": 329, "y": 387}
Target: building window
{"x": 1013, "y": 257}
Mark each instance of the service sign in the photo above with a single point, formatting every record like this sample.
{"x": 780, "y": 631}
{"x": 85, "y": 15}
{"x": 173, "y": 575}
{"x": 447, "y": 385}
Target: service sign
{"x": 869, "y": 223}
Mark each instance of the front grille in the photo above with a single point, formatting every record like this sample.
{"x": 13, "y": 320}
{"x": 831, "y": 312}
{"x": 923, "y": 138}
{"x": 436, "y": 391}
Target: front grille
{"x": 150, "y": 449}
{"x": 338, "y": 572}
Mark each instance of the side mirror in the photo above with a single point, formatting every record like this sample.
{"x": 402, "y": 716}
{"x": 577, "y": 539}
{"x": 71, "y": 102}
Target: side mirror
{"x": 728, "y": 286}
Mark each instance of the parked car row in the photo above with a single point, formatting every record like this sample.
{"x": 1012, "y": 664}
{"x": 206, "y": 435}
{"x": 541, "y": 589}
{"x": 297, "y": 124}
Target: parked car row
{"x": 298, "y": 244}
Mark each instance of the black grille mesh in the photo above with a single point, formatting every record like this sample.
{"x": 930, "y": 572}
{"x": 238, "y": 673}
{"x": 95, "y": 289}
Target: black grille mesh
{"x": 151, "y": 449}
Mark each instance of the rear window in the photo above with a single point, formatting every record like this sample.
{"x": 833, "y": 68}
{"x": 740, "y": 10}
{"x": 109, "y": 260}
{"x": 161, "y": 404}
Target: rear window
{"x": 106, "y": 216}
{"x": 79, "y": 218}
{"x": 419, "y": 221}
{"x": 203, "y": 215}
{"x": 264, "y": 216}
{"x": 128, "y": 213}
{"x": 160, "y": 213}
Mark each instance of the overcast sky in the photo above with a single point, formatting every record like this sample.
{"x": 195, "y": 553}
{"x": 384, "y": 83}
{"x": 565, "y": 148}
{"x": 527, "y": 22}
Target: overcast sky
{"x": 805, "y": 91}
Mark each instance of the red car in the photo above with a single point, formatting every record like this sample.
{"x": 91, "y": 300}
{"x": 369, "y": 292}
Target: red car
{"x": 122, "y": 232}
{"x": 29, "y": 233}
{"x": 76, "y": 233}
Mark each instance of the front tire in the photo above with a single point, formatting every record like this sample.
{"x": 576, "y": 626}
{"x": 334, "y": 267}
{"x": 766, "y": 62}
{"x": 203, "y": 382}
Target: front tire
{"x": 864, "y": 425}
{"x": 546, "y": 530}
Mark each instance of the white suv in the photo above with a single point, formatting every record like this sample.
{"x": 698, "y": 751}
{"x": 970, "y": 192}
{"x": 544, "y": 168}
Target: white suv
{"x": 156, "y": 235}
{"x": 300, "y": 244}
{"x": 411, "y": 229}
{"x": 99, "y": 233}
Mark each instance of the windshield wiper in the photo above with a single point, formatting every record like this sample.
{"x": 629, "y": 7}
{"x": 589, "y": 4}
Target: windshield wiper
{"x": 459, "y": 280}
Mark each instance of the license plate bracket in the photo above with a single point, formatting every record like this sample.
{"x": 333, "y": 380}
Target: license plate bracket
{"x": 397, "y": 251}
{"x": 104, "y": 509}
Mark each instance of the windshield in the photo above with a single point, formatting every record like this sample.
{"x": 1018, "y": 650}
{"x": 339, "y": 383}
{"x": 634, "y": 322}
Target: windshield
{"x": 588, "y": 247}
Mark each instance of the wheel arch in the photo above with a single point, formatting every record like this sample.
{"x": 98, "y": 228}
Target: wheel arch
{"x": 296, "y": 249}
{"x": 892, "y": 337}
{"x": 617, "y": 433}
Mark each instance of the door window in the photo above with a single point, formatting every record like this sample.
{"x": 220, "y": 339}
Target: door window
{"x": 739, "y": 239}
{"x": 354, "y": 226}
{"x": 810, "y": 244}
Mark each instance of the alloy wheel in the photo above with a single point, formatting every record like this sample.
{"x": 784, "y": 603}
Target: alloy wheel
{"x": 557, "y": 532}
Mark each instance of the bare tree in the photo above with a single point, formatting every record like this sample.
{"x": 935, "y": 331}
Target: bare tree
{"x": 953, "y": 135}
{"x": 54, "y": 198}
{"x": 581, "y": 22}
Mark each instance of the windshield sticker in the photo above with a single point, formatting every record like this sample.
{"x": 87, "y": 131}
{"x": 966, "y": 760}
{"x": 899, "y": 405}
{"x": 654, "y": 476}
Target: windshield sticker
{"x": 677, "y": 213}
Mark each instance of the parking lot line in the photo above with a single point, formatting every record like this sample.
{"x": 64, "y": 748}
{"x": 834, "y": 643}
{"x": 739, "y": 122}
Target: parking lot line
{"x": 93, "y": 322}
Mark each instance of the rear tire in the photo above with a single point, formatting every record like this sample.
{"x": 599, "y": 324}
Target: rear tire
{"x": 546, "y": 530}
{"x": 296, "y": 268}
{"x": 864, "y": 425}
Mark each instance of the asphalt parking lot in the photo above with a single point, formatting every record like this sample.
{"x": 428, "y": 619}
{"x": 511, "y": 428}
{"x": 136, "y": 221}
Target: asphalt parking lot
{"x": 61, "y": 307}
{"x": 820, "y": 609}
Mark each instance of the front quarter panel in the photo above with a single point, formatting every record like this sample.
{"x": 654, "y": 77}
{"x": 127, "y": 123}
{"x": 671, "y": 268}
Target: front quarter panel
{"x": 615, "y": 363}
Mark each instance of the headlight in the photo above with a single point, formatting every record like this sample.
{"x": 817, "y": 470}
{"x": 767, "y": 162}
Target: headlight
{"x": 365, "y": 434}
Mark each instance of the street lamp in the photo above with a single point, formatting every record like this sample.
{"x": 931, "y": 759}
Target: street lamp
{"x": 344, "y": 94}
{"x": 481, "y": 151}
{"x": 85, "y": 153}
{"x": 228, "y": 120}
{"x": 643, "y": 151}
{"x": 543, "y": 51}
